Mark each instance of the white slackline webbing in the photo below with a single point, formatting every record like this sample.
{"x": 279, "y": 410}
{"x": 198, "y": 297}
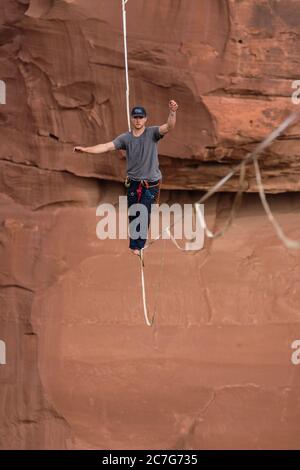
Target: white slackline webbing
{"x": 148, "y": 322}
{"x": 126, "y": 63}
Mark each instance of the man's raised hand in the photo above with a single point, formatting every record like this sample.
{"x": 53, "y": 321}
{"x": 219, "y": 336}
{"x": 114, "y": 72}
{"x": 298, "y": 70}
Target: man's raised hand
{"x": 173, "y": 106}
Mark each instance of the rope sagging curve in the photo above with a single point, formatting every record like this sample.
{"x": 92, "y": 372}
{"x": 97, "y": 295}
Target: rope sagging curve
{"x": 289, "y": 121}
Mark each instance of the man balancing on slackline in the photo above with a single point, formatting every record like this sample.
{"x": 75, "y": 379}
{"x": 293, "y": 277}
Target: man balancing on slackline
{"x": 143, "y": 173}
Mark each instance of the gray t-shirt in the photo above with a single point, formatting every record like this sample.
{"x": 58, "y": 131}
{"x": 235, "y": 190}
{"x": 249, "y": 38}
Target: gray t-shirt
{"x": 141, "y": 153}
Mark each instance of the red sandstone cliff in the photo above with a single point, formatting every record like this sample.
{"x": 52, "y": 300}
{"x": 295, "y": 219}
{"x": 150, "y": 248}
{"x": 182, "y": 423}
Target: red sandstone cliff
{"x": 82, "y": 369}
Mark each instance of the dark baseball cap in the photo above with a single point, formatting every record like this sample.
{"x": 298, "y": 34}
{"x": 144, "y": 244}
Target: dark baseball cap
{"x": 138, "y": 111}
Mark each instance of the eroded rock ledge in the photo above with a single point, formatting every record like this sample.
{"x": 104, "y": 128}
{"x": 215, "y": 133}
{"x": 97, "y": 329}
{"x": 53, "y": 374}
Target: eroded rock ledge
{"x": 230, "y": 65}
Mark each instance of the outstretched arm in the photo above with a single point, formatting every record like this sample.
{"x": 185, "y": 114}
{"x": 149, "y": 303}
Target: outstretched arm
{"x": 100, "y": 148}
{"x": 170, "y": 124}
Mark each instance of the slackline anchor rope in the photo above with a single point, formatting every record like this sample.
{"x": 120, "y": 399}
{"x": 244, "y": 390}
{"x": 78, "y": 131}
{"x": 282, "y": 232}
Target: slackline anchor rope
{"x": 289, "y": 243}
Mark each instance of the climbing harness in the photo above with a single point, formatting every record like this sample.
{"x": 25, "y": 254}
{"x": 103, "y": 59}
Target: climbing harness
{"x": 146, "y": 184}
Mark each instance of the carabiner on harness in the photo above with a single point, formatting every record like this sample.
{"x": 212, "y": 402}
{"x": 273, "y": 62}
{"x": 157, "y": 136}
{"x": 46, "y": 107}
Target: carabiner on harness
{"x": 127, "y": 182}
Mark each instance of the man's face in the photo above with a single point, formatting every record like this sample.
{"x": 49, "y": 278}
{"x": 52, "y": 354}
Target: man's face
{"x": 138, "y": 122}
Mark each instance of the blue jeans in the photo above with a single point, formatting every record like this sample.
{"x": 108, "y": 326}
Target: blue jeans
{"x": 148, "y": 198}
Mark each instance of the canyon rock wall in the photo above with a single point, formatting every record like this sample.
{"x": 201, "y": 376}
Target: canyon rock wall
{"x": 230, "y": 64}
{"x": 83, "y": 370}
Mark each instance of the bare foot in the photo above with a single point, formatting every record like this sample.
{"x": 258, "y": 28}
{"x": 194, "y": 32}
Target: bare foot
{"x": 136, "y": 252}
